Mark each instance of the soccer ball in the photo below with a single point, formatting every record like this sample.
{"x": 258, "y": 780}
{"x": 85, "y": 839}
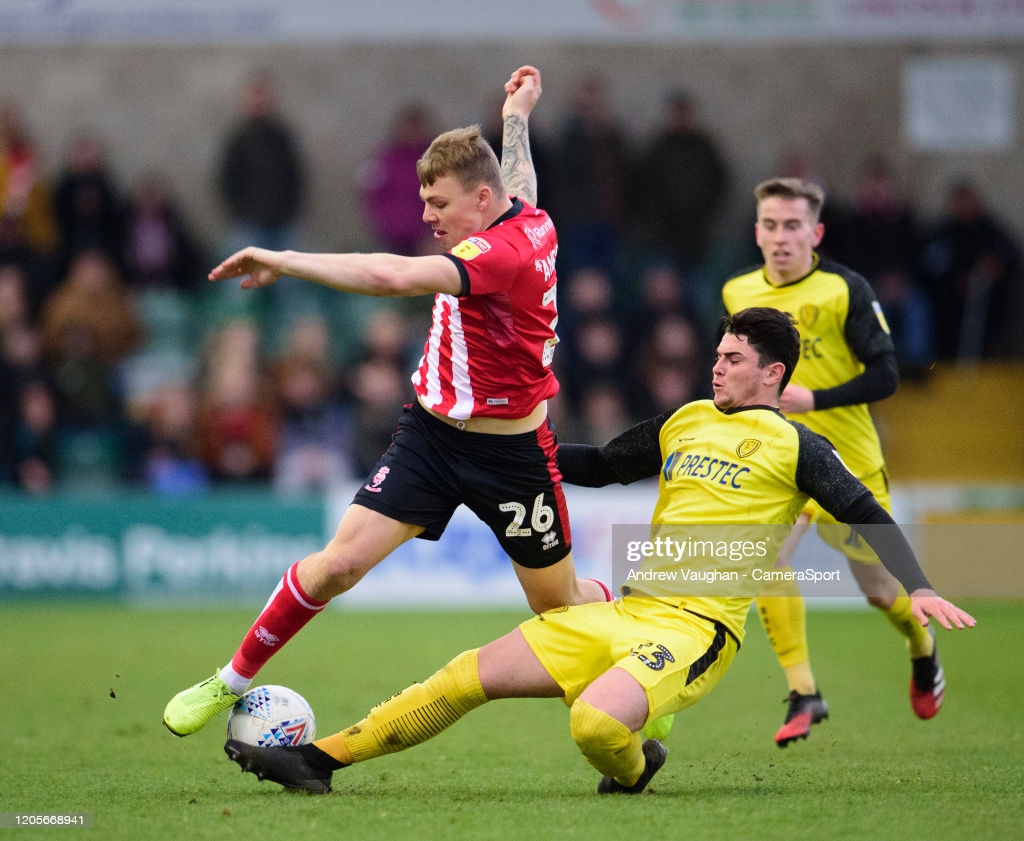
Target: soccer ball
{"x": 270, "y": 715}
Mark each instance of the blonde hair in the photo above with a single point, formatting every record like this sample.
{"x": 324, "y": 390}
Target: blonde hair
{"x": 792, "y": 188}
{"x": 465, "y": 155}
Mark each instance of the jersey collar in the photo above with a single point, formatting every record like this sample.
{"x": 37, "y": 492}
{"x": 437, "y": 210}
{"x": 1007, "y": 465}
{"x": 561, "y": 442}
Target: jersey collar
{"x": 813, "y": 269}
{"x": 737, "y": 409}
{"x": 515, "y": 210}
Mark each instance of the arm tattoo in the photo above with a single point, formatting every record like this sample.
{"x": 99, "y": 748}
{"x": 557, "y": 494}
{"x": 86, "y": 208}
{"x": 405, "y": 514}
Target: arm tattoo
{"x": 517, "y": 172}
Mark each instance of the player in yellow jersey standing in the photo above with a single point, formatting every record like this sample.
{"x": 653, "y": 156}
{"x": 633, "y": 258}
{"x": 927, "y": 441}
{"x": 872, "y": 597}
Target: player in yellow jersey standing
{"x": 847, "y": 361}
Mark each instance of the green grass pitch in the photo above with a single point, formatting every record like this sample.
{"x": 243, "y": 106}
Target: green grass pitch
{"x": 85, "y": 687}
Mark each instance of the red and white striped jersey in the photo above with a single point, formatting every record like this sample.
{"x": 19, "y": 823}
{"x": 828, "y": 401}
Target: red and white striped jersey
{"x": 490, "y": 348}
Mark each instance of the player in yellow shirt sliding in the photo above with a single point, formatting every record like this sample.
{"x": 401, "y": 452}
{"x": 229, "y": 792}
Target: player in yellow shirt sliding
{"x": 618, "y": 665}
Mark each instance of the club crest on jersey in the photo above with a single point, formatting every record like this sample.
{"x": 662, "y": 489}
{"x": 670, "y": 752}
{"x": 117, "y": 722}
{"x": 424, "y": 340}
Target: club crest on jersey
{"x": 378, "y": 480}
{"x": 808, "y": 315}
{"x": 747, "y": 447}
{"x": 471, "y": 247}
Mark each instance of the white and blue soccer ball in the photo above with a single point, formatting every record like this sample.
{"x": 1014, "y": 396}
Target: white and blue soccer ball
{"x": 268, "y": 716}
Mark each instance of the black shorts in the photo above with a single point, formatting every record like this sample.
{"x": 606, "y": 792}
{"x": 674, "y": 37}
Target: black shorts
{"x": 511, "y": 482}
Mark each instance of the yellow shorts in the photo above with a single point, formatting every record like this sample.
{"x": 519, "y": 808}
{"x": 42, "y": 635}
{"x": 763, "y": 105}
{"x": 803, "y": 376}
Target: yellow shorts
{"x": 676, "y": 656}
{"x": 839, "y": 535}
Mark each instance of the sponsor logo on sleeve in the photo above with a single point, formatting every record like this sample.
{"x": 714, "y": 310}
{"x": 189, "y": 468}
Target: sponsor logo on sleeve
{"x": 877, "y": 307}
{"x": 471, "y": 247}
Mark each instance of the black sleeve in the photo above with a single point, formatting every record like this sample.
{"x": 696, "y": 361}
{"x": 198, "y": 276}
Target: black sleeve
{"x": 462, "y": 273}
{"x": 822, "y": 475}
{"x": 633, "y": 455}
{"x": 581, "y": 464}
{"x": 870, "y": 343}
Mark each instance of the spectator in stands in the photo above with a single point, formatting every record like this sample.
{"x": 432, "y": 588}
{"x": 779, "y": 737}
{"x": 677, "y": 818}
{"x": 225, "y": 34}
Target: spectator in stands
{"x": 311, "y": 337}
{"x": 93, "y": 305}
{"x": 314, "y": 428}
{"x": 683, "y": 180}
{"x": 262, "y": 174}
{"x": 594, "y": 166}
{"x": 170, "y": 461}
{"x": 34, "y": 439}
{"x": 38, "y": 270}
{"x": 390, "y": 189}
{"x": 14, "y": 300}
{"x": 237, "y": 432}
{"x": 668, "y": 349}
{"x": 603, "y": 410}
{"x": 378, "y": 384}
{"x": 315, "y": 421}
{"x": 380, "y": 389}
{"x": 88, "y": 203}
{"x": 19, "y": 363}
{"x": 165, "y": 270}
{"x": 262, "y": 179}
{"x": 660, "y": 289}
{"x": 387, "y": 335}
{"x": 88, "y": 327}
{"x": 972, "y": 265}
{"x": 26, "y": 199}
{"x": 599, "y": 354}
{"x": 884, "y": 239}
{"x": 583, "y": 295}
{"x": 593, "y": 351}
{"x": 21, "y": 359}
{"x": 667, "y": 366}
{"x": 160, "y": 250}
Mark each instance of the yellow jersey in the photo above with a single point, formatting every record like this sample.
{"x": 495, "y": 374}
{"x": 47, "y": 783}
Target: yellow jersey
{"x": 842, "y": 328}
{"x": 731, "y": 485}
{"x": 729, "y": 492}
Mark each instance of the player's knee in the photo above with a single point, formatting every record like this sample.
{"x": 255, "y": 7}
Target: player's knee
{"x": 545, "y": 601}
{"x": 335, "y": 567}
{"x": 544, "y": 594}
{"x": 595, "y": 732}
{"x": 880, "y": 602}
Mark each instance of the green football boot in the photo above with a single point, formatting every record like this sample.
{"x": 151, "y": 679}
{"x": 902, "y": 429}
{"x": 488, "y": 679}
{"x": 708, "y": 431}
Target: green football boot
{"x": 191, "y": 709}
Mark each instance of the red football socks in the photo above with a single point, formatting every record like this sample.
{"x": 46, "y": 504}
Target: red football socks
{"x": 287, "y": 612}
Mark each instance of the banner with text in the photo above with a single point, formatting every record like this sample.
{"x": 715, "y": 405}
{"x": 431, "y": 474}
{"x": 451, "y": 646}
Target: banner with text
{"x": 235, "y": 547}
{"x": 587, "y": 21}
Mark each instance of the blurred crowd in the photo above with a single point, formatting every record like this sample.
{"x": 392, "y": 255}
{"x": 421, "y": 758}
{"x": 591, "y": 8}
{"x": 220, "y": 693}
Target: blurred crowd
{"x": 120, "y": 366}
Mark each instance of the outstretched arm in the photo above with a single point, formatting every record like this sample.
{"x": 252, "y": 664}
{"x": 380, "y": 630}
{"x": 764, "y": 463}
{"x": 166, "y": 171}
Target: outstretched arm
{"x": 925, "y": 603}
{"x": 522, "y": 91}
{"x": 381, "y": 275}
{"x": 822, "y": 475}
{"x": 630, "y": 456}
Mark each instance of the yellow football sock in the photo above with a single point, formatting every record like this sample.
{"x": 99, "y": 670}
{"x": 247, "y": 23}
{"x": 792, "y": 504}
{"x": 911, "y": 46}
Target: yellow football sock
{"x": 800, "y": 678}
{"x": 412, "y": 716}
{"x": 920, "y": 643}
{"x": 784, "y": 617}
{"x": 606, "y": 743}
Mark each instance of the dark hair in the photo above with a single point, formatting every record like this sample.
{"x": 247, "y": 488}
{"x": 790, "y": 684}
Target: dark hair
{"x": 771, "y": 332}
